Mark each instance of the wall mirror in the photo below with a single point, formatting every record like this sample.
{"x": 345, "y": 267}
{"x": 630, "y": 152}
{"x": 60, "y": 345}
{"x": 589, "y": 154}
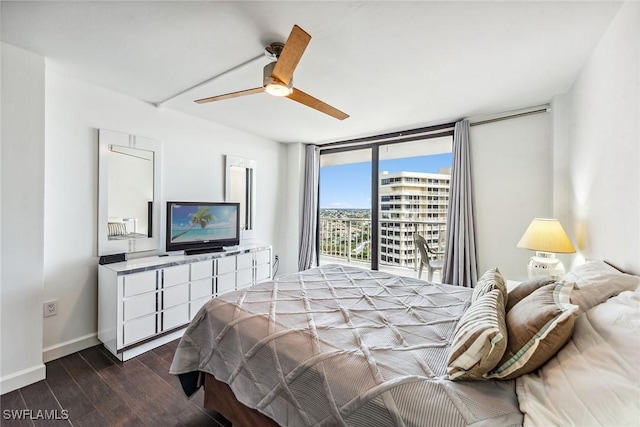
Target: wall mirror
{"x": 128, "y": 193}
{"x": 240, "y": 186}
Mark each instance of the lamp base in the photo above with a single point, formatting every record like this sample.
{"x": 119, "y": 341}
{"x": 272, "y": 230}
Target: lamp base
{"x": 545, "y": 264}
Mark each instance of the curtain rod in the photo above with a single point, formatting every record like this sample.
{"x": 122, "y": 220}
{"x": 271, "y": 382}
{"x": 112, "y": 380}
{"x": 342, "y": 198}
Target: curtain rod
{"x": 343, "y": 148}
{"x": 511, "y": 116}
{"x": 388, "y": 138}
{"x": 395, "y": 137}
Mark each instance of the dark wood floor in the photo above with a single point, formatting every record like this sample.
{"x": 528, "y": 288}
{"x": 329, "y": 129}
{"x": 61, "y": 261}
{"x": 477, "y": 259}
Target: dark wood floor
{"x": 98, "y": 390}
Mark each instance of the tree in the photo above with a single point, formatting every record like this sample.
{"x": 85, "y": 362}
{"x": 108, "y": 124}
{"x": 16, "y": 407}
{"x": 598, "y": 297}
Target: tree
{"x": 202, "y": 217}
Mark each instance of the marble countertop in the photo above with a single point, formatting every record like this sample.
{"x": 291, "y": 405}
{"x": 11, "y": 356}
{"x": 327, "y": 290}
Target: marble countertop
{"x": 138, "y": 265}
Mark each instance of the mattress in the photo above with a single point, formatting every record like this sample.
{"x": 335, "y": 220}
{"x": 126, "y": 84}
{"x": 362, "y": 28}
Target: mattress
{"x": 339, "y": 345}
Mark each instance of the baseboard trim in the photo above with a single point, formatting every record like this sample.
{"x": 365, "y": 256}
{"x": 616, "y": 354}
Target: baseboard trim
{"x": 22, "y": 378}
{"x": 69, "y": 347}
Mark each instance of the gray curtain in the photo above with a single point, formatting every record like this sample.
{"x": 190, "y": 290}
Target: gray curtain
{"x": 460, "y": 256}
{"x": 307, "y": 255}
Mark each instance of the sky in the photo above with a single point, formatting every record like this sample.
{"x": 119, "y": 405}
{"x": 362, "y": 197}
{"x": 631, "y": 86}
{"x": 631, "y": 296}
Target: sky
{"x": 349, "y": 186}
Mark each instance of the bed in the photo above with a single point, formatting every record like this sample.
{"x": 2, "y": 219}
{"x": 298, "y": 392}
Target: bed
{"x": 339, "y": 345}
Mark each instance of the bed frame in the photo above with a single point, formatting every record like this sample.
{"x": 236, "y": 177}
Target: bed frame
{"x": 219, "y": 397}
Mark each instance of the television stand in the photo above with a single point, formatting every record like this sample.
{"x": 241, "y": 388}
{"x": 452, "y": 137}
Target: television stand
{"x": 180, "y": 284}
{"x": 203, "y": 250}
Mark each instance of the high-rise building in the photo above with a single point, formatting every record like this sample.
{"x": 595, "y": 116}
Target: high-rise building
{"x": 412, "y": 202}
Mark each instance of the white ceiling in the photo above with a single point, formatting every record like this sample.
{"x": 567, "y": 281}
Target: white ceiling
{"x": 390, "y": 65}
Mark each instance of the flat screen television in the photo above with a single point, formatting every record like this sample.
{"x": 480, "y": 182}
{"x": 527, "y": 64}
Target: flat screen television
{"x": 201, "y": 227}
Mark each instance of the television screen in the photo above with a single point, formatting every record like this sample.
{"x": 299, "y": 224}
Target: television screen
{"x": 198, "y": 227}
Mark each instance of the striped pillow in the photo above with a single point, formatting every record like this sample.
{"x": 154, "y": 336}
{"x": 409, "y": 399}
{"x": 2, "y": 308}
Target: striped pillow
{"x": 479, "y": 340}
{"x": 490, "y": 280}
{"x": 538, "y": 327}
{"x": 117, "y": 228}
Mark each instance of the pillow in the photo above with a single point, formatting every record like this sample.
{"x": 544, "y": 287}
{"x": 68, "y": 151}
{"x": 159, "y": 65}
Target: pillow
{"x": 490, "y": 280}
{"x": 596, "y": 282}
{"x": 525, "y": 288}
{"x": 480, "y": 338}
{"x": 537, "y": 327}
{"x": 598, "y": 369}
{"x": 117, "y": 228}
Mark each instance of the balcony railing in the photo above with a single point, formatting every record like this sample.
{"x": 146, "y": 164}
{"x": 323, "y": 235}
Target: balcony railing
{"x": 350, "y": 239}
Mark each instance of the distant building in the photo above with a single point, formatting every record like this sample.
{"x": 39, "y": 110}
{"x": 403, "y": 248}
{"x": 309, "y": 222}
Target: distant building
{"x": 412, "y": 202}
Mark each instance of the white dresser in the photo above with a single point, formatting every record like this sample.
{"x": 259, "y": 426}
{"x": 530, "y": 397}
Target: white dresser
{"x": 146, "y": 302}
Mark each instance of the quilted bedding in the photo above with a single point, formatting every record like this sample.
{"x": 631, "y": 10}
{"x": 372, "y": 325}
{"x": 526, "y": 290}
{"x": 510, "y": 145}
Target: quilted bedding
{"x": 339, "y": 345}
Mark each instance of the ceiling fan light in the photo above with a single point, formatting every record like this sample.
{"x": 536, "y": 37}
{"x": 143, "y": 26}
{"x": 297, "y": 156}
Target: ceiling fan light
{"x": 278, "y": 89}
{"x": 274, "y": 86}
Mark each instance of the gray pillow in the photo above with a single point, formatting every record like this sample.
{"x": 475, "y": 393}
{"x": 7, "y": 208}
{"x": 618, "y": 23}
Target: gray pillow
{"x": 538, "y": 327}
{"x": 525, "y": 288}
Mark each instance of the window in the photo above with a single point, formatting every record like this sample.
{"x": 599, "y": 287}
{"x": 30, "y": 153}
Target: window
{"x": 409, "y": 195}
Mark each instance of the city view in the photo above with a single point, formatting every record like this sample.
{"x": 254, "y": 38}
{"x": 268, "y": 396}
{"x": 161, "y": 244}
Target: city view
{"x": 414, "y": 197}
{"x": 345, "y": 233}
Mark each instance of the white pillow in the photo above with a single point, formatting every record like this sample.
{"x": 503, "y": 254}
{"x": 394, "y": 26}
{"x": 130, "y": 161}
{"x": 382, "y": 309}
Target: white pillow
{"x": 595, "y": 282}
{"x": 595, "y": 378}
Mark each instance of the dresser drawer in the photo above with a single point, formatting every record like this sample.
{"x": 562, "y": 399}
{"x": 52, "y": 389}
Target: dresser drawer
{"x": 175, "y": 275}
{"x": 245, "y": 277}
{"x": 197, "y": 305}
{"x": 226, "y": 283}
{"x": 139, "y": 305}
{"x": 201, "y": 270}
{"x": 175, "y": 295}
{"x": 139, "y": 283}
{"x": 263, "y": 257}
{"x": 201, "y": 288}
{"x": 262, "y": 272}
{"x": 244, "y": 261}
{"x": 138, "y": 329}
{"x": 226, "y": 265}
{"x": 175, "y": 316}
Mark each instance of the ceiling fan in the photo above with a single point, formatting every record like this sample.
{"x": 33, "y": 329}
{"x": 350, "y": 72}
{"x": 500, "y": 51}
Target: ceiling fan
{"x": 278, "y": 75}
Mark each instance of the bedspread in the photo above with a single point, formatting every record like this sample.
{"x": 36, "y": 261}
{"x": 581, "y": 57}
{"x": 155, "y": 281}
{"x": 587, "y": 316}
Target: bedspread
{"x": 339, "y": 345}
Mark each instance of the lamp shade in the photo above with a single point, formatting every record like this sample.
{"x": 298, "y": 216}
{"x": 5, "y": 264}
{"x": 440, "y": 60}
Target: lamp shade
{"x": 546, "y": 235}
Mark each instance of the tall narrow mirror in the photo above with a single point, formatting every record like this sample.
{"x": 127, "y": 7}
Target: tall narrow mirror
{"x": 240, "y": 183}
{"x": 129, "y": 208}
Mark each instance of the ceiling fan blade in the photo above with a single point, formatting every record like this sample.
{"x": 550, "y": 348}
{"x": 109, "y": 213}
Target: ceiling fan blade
{"x": 308, "y": 100}
{"x": 230, "y": 95}
{"x": 291, "y": 54}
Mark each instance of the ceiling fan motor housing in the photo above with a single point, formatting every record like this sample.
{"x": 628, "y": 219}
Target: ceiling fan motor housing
{"x": 274, "y": 86}
{"x": 274, "y": 50}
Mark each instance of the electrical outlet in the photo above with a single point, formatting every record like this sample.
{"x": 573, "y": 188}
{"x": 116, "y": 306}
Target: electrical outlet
{"x": 276, "y": 257}
{"x": 50, "y": 308}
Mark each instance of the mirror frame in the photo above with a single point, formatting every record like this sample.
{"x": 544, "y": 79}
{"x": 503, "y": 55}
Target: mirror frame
{"x": 106, "y": 246}
{"x": 234, "y": 161}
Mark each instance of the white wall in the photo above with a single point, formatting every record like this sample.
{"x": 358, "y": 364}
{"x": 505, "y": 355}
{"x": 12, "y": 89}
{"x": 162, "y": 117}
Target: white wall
{"x": 604, "y": 141}
{"x": 512, "y": 169}
{"x": 22, "y": 223}
{"x": 193, "y": 169}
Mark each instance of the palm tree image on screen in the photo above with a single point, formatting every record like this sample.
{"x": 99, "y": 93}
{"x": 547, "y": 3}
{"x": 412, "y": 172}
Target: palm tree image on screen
{"x": 202, "y": 217}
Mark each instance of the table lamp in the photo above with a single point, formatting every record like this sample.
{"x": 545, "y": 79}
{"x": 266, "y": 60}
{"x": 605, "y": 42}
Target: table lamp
{"x": 547, "y": 237}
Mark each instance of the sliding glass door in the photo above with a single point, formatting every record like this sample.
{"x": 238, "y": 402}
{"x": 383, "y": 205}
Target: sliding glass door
{"x": 414, "y": 198}
{"x": 345, "y": 207}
